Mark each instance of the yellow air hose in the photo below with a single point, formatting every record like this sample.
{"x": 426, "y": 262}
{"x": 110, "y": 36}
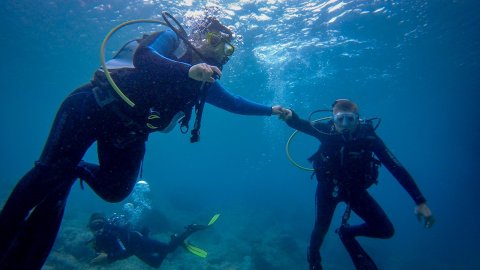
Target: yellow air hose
{"x": 102, "y": 56}
{"x": 287, "y": 147}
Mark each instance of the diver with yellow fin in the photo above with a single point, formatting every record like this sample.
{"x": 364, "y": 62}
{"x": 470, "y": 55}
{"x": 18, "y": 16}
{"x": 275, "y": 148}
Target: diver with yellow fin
{"x": 114, "y": 240}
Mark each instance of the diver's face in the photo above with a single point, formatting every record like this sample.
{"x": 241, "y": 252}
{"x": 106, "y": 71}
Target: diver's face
{"x": 345, "y": 122}
{"x": 217, "y": 46}
{"x": 97, "y": 225}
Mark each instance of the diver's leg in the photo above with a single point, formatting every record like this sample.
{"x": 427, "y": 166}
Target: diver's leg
{"x": 68, "y": 140}
{"x": 115, "y": 178}
{"x": 29, "y": 191}
{"x": 179, "y": 239}
{"x": 152, "y": 252}
{"x": 360, "y": 258}
{"x": 34, "y": 242}
{"x": 376, "y": 225}
{"x": 325, "y": 207}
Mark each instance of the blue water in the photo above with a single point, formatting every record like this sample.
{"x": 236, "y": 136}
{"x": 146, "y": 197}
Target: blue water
{"x": 413, "y": 63}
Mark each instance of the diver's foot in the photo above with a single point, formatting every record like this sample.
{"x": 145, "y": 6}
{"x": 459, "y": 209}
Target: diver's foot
{"x": 364, "y": 262}
{"x": 360, "y": 258}
{"x": 178, "y": 239}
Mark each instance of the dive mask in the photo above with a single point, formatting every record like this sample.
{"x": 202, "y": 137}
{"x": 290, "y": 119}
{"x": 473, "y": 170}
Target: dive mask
{"x": 216, "y": 38}
{"x": 96, "y": 225}
{"x": 345, "y": 121}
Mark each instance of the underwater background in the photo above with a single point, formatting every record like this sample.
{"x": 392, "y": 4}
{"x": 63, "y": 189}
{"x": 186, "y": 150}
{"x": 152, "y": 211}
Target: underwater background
{"x": 413, "y": 63}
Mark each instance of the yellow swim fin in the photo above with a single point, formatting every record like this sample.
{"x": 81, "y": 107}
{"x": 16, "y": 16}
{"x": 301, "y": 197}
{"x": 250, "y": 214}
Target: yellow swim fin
{"x": 214, "y": 218}
{"x": 195, "y": 250}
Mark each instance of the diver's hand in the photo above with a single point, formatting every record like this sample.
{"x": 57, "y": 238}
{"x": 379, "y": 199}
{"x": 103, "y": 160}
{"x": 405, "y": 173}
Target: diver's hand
{"x": 102, "y": 258}
{"x": 277, "y": 110}
{"x": 422, "y": 211}
{"x": 203, "y": 72}
{"x": 286, "y": 114}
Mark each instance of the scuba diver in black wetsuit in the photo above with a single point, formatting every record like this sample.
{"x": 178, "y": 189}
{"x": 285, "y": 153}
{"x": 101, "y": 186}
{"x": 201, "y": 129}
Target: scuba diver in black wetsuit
{"x": 345, "y": 166}
{"x": 166, "y": 76}
{"x": 114, "y": 240}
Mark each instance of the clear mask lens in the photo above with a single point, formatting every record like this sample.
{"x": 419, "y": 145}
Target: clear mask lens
{"x": 228, "y": 49}
{"x": 345, "y": 119}
{"x": 215, "y": 39}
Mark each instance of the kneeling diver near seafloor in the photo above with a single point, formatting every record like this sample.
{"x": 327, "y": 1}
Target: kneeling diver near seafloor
{"x": 115, "y": 239}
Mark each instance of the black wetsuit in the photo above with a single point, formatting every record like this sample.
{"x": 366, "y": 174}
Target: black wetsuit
{"x": 118, "y": 242}
{"x": 158, "y": 81}
{"x": 345, "y": 168}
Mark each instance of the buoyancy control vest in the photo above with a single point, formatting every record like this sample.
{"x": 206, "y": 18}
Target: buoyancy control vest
{"x": 157, "y": 109}
{"x": 350, "y": 162}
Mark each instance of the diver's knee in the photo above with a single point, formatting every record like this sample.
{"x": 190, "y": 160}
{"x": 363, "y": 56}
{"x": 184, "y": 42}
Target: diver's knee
{"x": 388, "y": 231}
